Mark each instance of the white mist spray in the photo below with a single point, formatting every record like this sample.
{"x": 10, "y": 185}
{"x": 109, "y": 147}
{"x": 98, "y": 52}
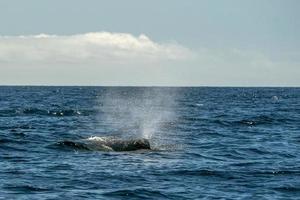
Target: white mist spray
{"x": 139, "y": 112}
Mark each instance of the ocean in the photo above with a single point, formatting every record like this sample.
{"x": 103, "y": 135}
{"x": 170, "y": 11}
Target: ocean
{"x": 206, "y": 143}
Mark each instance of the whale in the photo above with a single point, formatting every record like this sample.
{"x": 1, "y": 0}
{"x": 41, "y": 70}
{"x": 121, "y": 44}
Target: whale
{"x": 107, "y": 144}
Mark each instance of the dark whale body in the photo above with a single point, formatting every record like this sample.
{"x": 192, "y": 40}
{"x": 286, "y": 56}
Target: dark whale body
{"x": 128, "y": 145}
{"x": 107, "y": 144}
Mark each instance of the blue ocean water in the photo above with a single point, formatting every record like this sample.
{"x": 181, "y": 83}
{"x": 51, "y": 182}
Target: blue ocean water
{"x": 207, "y": 143}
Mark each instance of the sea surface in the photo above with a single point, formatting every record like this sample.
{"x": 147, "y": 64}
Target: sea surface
{"x": 206, "y": 143}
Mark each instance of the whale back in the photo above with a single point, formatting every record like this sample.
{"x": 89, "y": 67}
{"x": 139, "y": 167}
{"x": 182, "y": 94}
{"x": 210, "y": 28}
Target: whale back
{"x": 107, "y": 144}
{"x": 129, "y": 145}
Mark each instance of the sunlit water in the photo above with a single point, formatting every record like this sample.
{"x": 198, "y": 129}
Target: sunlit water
{"x": 213, "y": 143}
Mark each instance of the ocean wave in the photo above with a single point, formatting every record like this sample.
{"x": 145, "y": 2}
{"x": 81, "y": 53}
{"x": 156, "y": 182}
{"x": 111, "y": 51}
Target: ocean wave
{"x": 288, "y": 189}
{"x": 230, "y": 174}
{"x": 259, "y": 120}
{"x": 278, "y": 172}
{"x": 249, "y": 145}
{"x": 5, "y": 140}
{"x": 136, "y": 193}
{"x": 201, "y": 172}
{"x": 45, "y": 112}
{"x": 25, "y": 188}
{"x": 8, "y": 147}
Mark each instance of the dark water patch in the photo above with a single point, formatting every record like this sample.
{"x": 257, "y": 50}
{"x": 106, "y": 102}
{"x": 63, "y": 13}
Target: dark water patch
{"x": 25, "y": 126}
{"x": 209, "y": 132}
{"x": 17, "y": 128}
{"x": 234, "y": 174}
{"x": 79, "y": 184}
{"x": 261, "y": 120}
{"x": 61, "y": 167}
{"x": 221, "y": 122}
{"x": 15, "y": 140}
{"x": 257, "y": 150}
{"x": 5, "y": 140}
{"x": 245, "y": 164}
{"x": 34, "y": 111}
{"x": 136, "y": 194}
{"x": 202, "y": 156}
{"x": 230, "y": 156}
{"x": 17, "y": 133}
{"x": 264, "y": 120}
{"x": 288, "y": 189}
{"x": 14, "y": 172}
{"x": 278, "y": 172}
{"x": 14, "y": 158}
{"x": 9, "y": 113}
{"x": 202, "y": 173}
{"x": 25, "y": 188}
{"x": 9, "y": 147}
{"x": 190, "y": 119}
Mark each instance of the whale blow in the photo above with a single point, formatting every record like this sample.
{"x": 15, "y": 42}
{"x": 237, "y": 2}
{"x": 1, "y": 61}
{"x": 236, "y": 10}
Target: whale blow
{"x": 107, "y": 144}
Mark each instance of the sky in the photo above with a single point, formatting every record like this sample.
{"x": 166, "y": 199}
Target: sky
{"x": 150, "y": 43}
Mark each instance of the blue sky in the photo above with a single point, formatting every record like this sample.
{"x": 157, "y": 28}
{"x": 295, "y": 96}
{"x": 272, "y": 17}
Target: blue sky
{"x": 195, "y": 42}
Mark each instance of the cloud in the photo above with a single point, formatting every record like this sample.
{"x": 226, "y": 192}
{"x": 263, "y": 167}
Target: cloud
{"x": 103, "y": 58}
{"x": 94, "y": 47}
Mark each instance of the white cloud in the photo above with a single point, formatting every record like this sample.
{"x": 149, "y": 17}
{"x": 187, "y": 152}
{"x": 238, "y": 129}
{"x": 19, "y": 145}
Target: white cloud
{"x": 104, "y": 58}
{"x": 96, "y": 47}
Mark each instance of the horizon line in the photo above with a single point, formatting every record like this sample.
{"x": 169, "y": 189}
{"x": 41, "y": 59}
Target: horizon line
{"x": 152, "y": 86}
